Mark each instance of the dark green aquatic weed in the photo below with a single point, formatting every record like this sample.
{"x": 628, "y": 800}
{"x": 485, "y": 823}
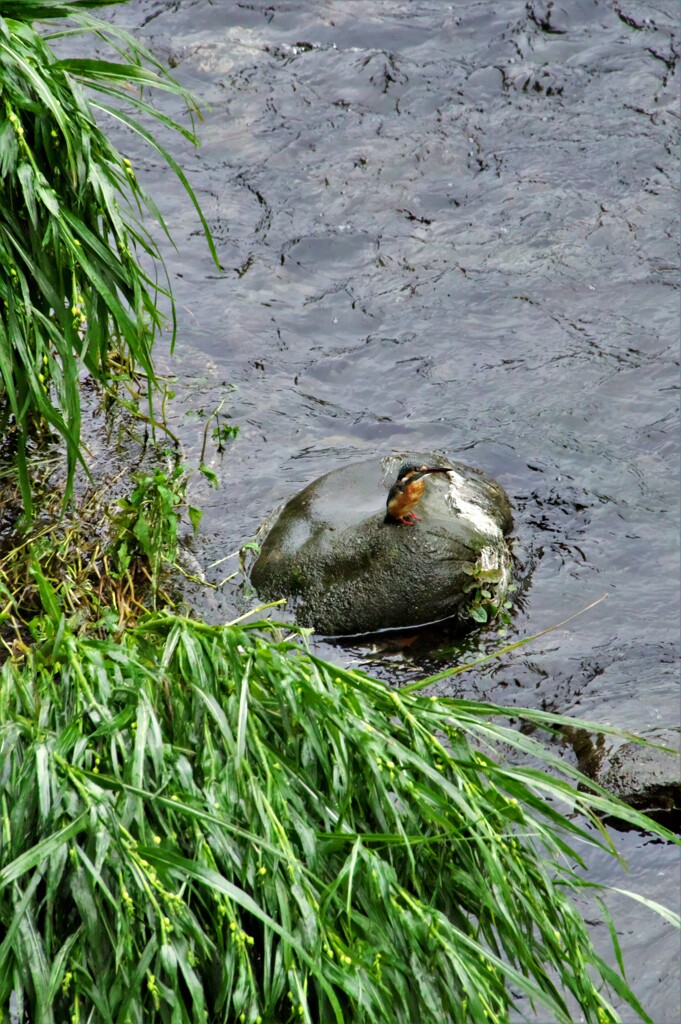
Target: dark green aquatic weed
{"x": 207, "y": 823}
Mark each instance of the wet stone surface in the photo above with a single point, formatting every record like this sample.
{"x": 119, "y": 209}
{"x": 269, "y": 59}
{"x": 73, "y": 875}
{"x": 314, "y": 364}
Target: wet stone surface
{"x": 646, "y": 777}
{"x": 349, "y": 571}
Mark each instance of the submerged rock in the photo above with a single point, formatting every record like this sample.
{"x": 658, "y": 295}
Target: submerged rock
{"x": 645, "y": 777}
{"x": 347, "y": 571}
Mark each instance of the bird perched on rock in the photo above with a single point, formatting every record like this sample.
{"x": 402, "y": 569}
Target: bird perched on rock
{"x": 406, "y": 492}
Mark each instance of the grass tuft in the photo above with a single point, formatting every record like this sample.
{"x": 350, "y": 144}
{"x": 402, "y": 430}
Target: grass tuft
{"x": 207, "y": 823}
{"x": 74, "y": 294}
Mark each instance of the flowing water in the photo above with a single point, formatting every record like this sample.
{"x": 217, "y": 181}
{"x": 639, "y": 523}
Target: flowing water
{"x": 451, "y": 226}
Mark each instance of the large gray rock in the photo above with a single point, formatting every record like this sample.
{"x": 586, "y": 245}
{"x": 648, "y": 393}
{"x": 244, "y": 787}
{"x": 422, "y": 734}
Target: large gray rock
{"x": 646, "y": 777}
{"x": 347, "y": 571}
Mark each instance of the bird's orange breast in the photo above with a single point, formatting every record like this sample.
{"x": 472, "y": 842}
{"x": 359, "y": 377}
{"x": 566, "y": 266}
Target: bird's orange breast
{"x": 409, "y": 496}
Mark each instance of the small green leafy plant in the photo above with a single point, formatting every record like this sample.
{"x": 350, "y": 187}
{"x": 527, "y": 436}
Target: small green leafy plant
{"x": 222, "y": 434}
{"x": 147, "y": 522}
{"x": 488, "y": 590}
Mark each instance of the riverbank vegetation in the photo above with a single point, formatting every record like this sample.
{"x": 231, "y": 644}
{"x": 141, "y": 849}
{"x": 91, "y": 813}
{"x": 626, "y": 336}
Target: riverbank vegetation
{"x": 207, "y": 822}
{"x": 76, "y": 252}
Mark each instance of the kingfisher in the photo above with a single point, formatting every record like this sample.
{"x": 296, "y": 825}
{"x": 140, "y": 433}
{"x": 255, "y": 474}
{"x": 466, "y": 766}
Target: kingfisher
{"x": 406, "y": 492}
